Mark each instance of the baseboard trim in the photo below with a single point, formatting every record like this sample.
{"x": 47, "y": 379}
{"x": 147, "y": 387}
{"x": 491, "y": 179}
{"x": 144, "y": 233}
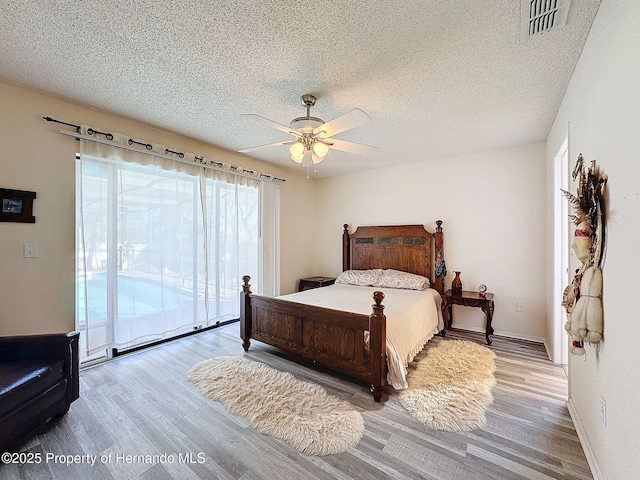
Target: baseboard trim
{"x": 528, "y": 338}
{"x": 584, "y": 441}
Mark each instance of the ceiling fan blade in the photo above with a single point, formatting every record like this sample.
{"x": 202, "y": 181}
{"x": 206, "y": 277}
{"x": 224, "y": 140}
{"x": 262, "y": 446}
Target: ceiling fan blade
{"x": 272, "y": 124}
{"x": 351, "y": 147}
{"x": 276, "y": 144}
{"x": 352, "y": 119}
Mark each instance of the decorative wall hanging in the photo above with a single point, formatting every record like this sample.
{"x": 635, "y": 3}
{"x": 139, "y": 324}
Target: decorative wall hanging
{"x": 17, "y": 206}
{"x": 582, "y": 299}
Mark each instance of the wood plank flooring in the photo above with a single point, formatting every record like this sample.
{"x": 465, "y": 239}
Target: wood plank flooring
{"x": 142, "y": 406}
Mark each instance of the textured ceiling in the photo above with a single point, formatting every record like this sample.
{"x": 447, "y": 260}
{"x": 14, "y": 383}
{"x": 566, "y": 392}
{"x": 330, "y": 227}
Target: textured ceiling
{"x": 437, "y": 77}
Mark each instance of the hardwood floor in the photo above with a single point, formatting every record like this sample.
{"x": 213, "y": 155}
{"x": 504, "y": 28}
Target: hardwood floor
{"x": 142, "y": 405}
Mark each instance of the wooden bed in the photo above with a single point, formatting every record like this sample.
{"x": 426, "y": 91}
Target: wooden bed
{"x": 335, "y": 338}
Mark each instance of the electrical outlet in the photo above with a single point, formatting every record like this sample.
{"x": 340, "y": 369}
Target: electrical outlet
{"x": 520, "y": 306}
{"x": 603, "y": 411}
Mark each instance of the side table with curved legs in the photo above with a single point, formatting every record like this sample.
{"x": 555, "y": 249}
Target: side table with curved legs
{"x": 468, "y": 299}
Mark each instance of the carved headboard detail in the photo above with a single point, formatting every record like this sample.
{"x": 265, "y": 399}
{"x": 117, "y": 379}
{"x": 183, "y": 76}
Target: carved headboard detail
{"x": 410, "y": 248}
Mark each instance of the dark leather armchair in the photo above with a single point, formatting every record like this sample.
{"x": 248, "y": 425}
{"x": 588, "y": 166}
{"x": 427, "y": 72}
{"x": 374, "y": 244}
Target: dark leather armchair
{"x": 38, "y": 381}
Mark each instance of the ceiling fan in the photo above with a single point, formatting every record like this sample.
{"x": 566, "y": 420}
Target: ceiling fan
{"x": 313, "y": 137}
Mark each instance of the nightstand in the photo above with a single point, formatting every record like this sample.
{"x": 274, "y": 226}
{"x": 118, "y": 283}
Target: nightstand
{"x": 315, "y": 282}
{"x": 468, "y": 299}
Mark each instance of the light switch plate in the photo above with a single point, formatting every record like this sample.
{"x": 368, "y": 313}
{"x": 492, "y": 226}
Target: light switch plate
{"x": 30, "y": 250}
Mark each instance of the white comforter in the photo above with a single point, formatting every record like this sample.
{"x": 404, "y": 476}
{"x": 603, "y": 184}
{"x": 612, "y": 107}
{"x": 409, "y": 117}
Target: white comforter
{"x": 413, "y": 317}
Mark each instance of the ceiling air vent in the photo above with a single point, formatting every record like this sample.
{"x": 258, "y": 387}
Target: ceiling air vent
{"x": 540, "y": 16}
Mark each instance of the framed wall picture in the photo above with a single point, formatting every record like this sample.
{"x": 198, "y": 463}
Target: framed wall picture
{"x": 16, "y": 206}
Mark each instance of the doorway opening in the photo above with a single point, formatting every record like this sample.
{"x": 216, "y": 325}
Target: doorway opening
{"x": 561, "y": 250}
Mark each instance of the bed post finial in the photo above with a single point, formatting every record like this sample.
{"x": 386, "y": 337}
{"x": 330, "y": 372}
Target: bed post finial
{"x": 346, "y": 250}
{"x": 378, "y": 297}
{"x": 377, "y": 346}
{"x": 246, "y": 321}
{"x": 440, "y": 266}
{"x": 246, "y": 288}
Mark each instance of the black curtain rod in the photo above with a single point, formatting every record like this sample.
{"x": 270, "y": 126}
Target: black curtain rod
{"x": 234, "y": 168}
{"x": 49, "y": 119}
{"x": 90, "y": 131}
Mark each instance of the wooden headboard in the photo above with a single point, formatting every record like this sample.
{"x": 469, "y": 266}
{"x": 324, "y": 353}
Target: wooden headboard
{"x": 410, "y": 248}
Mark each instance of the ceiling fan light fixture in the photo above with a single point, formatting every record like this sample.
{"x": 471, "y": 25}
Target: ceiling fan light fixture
{"x": 320, "y": 149}
{"x": 313, "y": 137}
{"x": 297, "y": 150}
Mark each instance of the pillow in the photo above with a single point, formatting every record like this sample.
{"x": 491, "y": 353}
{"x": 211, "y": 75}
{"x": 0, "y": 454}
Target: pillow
{"x": 362, "y": 278}
{"x": 397, "y": 279}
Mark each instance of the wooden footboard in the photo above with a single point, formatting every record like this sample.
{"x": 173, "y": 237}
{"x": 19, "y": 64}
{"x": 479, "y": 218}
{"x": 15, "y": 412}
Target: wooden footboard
{"x": 331, "y": 337}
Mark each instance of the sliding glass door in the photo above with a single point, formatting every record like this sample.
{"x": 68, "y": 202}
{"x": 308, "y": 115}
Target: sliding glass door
{"x": 159, "y": 252}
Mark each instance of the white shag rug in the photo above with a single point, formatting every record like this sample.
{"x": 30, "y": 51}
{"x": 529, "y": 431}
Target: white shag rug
{"x": 450, "y": 389}
{"x": 302, "y": 414}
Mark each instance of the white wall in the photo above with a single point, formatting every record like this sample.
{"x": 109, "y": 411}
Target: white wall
{"x": 601, "y": 105}
{"x": 493, "y": 208}
{"x": 488, "y": 202}
{"x": 36, "y": 294}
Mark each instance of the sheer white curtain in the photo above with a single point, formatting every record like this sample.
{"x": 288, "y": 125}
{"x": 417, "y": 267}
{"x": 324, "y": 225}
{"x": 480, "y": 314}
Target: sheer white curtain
{"x": 231, "y": 216}
{"x": 163, "y": 245}
{"x": 269, "y": 240}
